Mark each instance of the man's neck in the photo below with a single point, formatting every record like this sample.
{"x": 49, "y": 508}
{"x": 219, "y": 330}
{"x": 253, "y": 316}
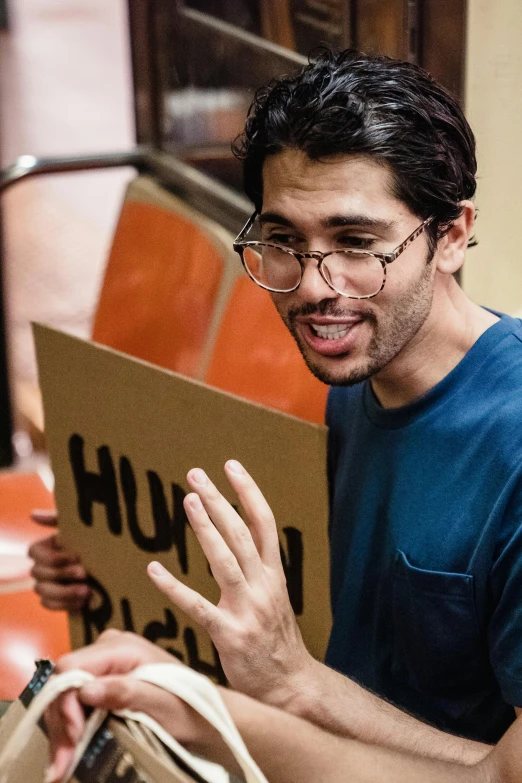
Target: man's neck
{"x": 454, "y": 324}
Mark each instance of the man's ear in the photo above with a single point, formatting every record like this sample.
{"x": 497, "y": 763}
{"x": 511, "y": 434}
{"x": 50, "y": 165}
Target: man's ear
{"x": 451, "y": 249}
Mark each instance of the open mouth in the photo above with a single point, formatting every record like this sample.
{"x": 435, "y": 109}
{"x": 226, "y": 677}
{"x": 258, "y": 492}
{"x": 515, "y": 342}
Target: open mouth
{"x": 331, "y": 331}
{"x": 332, "y": 339}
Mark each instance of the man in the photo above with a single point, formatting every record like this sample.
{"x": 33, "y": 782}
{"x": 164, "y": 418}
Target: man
{"x": 305, "y": 754}
{"x": 362, "y": 171}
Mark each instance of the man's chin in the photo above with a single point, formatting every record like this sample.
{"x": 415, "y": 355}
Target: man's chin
{"x": 341, "y": 371}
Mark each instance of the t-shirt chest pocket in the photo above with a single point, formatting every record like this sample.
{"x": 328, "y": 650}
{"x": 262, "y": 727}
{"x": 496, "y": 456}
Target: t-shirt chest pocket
{"x": 436, "y": 640}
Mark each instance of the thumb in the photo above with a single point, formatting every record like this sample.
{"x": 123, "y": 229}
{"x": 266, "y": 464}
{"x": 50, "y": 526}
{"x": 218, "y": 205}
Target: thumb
{"x": 45, "y": 517}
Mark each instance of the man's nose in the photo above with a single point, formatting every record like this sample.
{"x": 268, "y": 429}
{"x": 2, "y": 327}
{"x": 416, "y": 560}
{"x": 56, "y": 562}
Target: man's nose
{"x": 313, "y": 287}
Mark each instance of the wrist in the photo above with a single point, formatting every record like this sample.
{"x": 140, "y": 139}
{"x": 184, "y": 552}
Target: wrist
{"x": 297, "y": 693}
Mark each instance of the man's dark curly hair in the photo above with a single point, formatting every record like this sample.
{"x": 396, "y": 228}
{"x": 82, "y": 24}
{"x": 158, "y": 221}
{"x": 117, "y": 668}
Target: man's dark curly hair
{"x": 351, "y": 103}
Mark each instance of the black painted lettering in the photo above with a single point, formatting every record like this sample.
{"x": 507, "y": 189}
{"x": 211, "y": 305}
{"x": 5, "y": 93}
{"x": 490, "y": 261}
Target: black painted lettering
{"x": 95, "y": 487}
{"x": 293, "y": 567}
{"x": 214, "y": 670}
{"x": 175, "y": 523}
{"x": 155, "y": 630}
{"x": 98, "y": 612}
{"x": 126, "y": 616}
{"x": 159, "y": 541}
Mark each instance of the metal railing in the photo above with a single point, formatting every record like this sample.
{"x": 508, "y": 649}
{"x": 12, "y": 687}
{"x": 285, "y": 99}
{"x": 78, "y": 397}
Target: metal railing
{"x": 28, "y": 166}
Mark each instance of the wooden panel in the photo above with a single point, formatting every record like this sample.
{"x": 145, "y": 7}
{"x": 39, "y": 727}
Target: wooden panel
{"x": 381, "y": 27}
{"x": 318, "y": 21}
{"x": 145, "y": 73}
{"x": 443, "y": 42}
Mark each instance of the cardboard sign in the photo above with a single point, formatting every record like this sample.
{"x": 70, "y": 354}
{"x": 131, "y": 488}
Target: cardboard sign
{"x": 122, "y": 435}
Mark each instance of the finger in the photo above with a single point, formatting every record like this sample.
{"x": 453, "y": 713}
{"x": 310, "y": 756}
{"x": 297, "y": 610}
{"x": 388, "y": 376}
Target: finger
{"x": 50, "y": 591}
{"x": 62, "y": 758}
{"x": 65, "y": 722}
{"x": 114, "y": 652}
{"x": 123, "y": 692}
{"x": 228, "y": 522}
{"x": 258, "y": 512}
{"x": 73, "y": 606}
{"x": 68, "y": 573}
{"x": 56, "y": 724}
{"x": 49, "y": 552}
{"x": 223, "y": 564}
{"x": 189, "y": 601}
{"x": 72, "y": 715}
{"x": 46, "y": 517}
{"x": 115, "y": 693}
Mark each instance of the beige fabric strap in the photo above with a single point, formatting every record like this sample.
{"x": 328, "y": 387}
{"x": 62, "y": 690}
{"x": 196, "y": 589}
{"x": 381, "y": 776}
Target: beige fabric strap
{"x": 191, "y": 687}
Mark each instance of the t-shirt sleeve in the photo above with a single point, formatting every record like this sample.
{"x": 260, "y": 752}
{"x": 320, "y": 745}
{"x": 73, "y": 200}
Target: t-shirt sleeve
{"x": 505, "y": 627}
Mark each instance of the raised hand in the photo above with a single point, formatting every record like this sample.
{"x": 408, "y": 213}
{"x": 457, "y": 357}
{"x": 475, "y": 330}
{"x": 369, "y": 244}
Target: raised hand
{"x": 253, "y": 626}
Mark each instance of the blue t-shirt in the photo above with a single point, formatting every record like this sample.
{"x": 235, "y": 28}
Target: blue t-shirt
{"x": 426, "y": 541}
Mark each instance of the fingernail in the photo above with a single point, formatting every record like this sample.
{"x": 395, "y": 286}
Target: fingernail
{"x": 198, "y": 476}
{"x": 194, "y": 502}
{"x": 92, "y": 691}
{"x": 50, "y": 774}
{"x": 157, "y": 570}
{"x": 235, "y": 467}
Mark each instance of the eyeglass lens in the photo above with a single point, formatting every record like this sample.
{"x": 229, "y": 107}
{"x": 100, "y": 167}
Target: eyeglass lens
{"x": 351, "y": 273}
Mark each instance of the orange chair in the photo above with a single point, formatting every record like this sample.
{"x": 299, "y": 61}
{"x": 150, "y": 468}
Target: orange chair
{"x": 27, "y": 630}
{"x": 255, "y": 357}
{"x": 168, "y": 271}
{"x": 162, "y": 280}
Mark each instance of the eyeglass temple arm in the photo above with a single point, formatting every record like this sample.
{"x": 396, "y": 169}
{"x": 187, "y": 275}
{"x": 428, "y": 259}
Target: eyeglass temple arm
{"x": 246, "y": 228}
{"x": 389, "y": 257}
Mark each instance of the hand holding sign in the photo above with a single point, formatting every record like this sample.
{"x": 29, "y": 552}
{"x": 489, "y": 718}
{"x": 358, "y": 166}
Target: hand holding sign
{"x": 253, "y": 626}
{"x": 57, "y": 571}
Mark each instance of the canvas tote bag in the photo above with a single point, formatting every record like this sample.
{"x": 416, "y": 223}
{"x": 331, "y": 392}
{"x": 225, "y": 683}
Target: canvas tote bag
{"x": 137, "y": 732}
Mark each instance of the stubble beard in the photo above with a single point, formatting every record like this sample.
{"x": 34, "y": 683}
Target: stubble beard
{"x": 391, "y": 333}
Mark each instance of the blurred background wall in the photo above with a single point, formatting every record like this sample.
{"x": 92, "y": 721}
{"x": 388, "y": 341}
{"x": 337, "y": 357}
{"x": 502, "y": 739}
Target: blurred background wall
{"x": 493, "y": 100}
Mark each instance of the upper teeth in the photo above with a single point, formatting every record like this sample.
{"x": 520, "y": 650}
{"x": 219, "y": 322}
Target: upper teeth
{"x": 330, "y": 331}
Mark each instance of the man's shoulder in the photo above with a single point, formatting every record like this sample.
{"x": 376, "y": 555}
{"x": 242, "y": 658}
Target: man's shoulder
{"x": 489, "y": 377}
{"x": 501, "y": 372}
{"x": 490, "y": 399}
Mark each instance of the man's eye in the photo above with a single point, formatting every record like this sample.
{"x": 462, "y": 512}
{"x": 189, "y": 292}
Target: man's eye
{"x": 283, "y": 239}
{"x": 358, "y": 243}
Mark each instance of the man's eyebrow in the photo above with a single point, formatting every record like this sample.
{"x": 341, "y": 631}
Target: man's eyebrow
{"x": 335, "y": 221}
{"x": 358, "y": 221}
{"x": 274, "y": 217}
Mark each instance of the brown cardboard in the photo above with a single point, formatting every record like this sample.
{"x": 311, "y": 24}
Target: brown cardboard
{"x": 163, "y": 424}
{"x": 32, "y": 765}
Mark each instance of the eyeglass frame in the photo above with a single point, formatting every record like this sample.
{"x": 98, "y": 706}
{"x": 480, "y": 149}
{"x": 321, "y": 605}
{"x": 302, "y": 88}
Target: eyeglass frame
{"x": 239, "y": 246}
